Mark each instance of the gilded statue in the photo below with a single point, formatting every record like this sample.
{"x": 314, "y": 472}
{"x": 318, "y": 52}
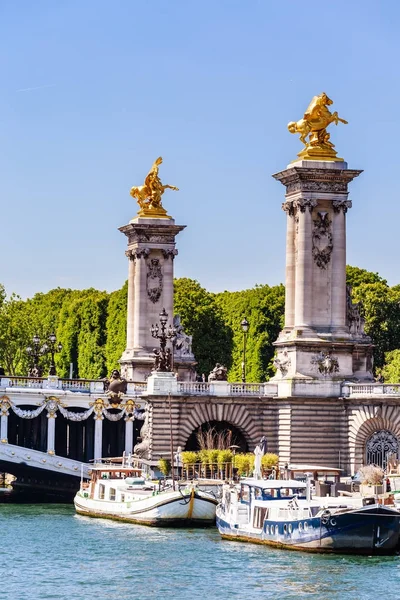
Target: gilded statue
{"x": 149, "y": 195}
{"x": 314, "y": 123}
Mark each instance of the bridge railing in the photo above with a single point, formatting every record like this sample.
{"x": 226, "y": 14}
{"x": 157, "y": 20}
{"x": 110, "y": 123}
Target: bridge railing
{"x": 370, "y": 389}
{"x": 224, "y": 388}
{"x": 86, "y": 386}
{"x": 96, "y": 386}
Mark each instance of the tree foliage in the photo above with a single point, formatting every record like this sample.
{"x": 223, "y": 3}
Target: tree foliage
{"x": 91, "y": 325}
{"x": 202, "y": 318}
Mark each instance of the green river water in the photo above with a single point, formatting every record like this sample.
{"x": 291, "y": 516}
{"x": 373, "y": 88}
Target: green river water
{"x": 47, "y": 551}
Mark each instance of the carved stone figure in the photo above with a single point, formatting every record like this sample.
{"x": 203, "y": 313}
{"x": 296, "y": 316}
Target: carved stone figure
{"x": 282, "y": 362}
{"x": 313, "y": 125}
{"x": 149, "y": 195}
{"x": 142, "y": 449}
{"x": 183, "y": 342}
{"x": 116, "y": 386}
{"x": 219, "y": 373}
{"x": 326, "y": 363}
{"x": 154, "y": 280}
{"x": 355, "y": 320}
{"x": 322, "y": 245}
{"x": 162, "y": 360}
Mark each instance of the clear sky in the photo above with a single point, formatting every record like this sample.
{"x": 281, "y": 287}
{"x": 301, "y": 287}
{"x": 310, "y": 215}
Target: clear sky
{"x": 92, "y": 91}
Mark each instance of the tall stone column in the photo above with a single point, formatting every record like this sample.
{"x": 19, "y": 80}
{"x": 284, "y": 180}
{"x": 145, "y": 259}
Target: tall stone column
{"x": 129, "y": 434}
{"x": 321, "y": 344}
{"x": 303, "y": 286}
{"x": 290, "y": 265}
{"x": 340, "y": 208}
{"x": 131, "y": 300}
{"x": 4, "y": 412}
{"x": 98, "y": 435}
{"x": 151, "y": 250}
{"x": 51, "y": 432}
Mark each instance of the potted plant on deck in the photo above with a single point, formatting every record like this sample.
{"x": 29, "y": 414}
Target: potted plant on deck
{"x": 371, "y": 480}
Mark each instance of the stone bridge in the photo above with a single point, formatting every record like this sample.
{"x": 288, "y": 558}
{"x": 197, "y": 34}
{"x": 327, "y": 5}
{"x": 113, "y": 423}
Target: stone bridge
{"x": 50, "y": 427}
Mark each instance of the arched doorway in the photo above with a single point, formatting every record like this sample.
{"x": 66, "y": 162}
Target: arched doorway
{"x": 218, "y": 435}
{"x": 380, "y": 446}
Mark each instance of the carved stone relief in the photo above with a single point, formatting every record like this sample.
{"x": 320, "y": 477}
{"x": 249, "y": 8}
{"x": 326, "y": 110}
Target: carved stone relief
{"x": 343, "y": 205}
{"x": 154, "y": 280}
{"x": 325, "y": 363}
{"x": 354, "y": 318}
{"x": 282, "y": 362}
{"x": 137, "y": 253}
{"x": 169, "y": 253}
{"x": 303, "y": 203}
{"x": 322, "y": 245}
{"x": 316, "y": 186}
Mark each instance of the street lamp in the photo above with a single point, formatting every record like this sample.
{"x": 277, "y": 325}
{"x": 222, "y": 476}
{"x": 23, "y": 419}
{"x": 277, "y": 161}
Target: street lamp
{"x": 35, "y": 351}
{"x": 163, "y": 355}
{"x": 245, "y": 327}
{"x": 51, "y": 348}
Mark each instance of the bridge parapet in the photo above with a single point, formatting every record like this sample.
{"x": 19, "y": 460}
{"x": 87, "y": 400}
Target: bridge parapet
{"x": 355, "y": 390}
{"x": 84, "y": 386}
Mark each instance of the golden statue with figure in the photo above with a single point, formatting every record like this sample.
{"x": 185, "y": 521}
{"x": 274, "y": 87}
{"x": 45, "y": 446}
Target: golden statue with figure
{"x": 148, "y": 196}
{"x": 314, "y": 123}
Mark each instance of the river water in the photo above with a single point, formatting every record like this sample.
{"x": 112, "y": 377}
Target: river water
{"x": 47, "y": 551}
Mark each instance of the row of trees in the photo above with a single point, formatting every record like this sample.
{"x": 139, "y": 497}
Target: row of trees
{"x": 91, "y": 325}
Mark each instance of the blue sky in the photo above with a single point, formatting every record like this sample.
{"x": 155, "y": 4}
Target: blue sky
{"x": 92, "y": 92}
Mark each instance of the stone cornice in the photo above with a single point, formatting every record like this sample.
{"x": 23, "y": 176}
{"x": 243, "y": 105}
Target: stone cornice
{"x": 151, "y": 234}
{"x": 316, "y": 180}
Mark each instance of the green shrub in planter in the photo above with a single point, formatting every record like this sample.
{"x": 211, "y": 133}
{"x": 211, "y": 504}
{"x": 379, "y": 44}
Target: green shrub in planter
{"x": 204, "y": 456}
{"x": 269, "y": 460}
{"x": 189, "y": 458}
{"x": 224, "y": 456}
{"x": 164, "y": 465}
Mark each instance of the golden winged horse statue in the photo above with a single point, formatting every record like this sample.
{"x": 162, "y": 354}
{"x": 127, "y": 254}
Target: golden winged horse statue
{"x": 314, "y": 123}
{"x": 149, "y": 195}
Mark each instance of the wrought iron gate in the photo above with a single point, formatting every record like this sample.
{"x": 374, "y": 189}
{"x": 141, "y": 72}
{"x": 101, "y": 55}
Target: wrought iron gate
{"x": 380, "y": 445}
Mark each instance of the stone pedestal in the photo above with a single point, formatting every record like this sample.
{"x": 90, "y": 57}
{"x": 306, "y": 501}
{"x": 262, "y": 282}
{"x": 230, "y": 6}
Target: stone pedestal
{"x": 323, "y": 341}
{"x": 160, "y": 383}
{"x": 151, "y": 252}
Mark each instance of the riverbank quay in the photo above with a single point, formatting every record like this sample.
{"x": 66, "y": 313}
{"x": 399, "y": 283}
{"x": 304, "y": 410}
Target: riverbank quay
{"x": 66, "y": 556}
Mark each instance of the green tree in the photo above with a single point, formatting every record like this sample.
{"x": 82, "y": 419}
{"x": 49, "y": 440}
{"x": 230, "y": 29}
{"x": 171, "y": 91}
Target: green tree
{"x": 391, "y": 368}
{"x": 201, "y": 318}
{"x": 263, "y": 307}
{"x": 116, "y": 327}
{"x": 356, "y": 276}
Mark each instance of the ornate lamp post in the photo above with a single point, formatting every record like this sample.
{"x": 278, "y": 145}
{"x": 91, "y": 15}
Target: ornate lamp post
{"x": 51, "y": 348}
{"x": 245, "y": 327}
{"x": 35, "y": 352}
{"x": 163, "y": 360}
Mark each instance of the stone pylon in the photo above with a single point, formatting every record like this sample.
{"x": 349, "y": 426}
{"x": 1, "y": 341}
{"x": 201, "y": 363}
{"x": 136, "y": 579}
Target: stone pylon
{"x": 323, "y": 340}
{"x": 151, "y": 253}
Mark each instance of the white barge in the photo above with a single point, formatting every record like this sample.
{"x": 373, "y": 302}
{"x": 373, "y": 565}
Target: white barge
{"x": 122, "y": 493}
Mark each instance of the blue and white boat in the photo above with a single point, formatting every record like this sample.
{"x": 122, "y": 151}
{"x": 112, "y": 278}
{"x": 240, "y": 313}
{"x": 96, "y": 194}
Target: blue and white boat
{"x": 281, "y": 513}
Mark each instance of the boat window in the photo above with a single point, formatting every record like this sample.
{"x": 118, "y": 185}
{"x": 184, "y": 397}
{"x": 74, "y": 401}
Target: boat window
{"x": 314, "y": 510}
{"x": 290, "y": 528}
{"x": 305, "y": 526}
{"x": 257, "y": 493}
{"x": 259, "y": 517}
{"x": 285, "y": 529}
{"x": 268, "y": 494}
{"x": 244, "y": 493}
{"x": 300, "y": 526}
{"x": 112, "y": 493}
{"x": 122, "y": 497}
{"x": 267, "y": 529}
{"x": 102, "y": 489}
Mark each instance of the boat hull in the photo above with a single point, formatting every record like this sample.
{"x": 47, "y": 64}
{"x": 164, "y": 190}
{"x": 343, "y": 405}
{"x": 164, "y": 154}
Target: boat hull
{"x": 169, "y": 510}
{"x": 370, "y": 530}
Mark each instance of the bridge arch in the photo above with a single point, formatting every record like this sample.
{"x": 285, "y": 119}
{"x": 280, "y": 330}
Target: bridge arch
{"x": 234, "y": 415}
{"x": 368, "y": 421}
{"x": 232, "y": 434}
